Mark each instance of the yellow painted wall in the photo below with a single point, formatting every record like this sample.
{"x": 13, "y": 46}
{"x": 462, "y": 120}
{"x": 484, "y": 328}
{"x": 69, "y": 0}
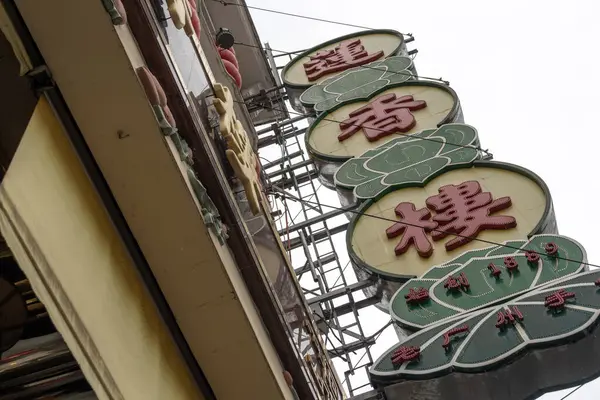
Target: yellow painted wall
{"x": 61, "y": 235}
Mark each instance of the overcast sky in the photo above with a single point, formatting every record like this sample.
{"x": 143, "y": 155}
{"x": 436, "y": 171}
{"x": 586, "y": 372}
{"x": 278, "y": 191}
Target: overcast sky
{"x": 526, "y": 73}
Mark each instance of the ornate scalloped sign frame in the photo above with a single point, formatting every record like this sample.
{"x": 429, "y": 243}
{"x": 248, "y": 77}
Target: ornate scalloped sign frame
{"x": 409, "y": 160}
{"x": 346, "y": 130}
{"x": 357, "y": 83}
{"x": 545, "y": 321}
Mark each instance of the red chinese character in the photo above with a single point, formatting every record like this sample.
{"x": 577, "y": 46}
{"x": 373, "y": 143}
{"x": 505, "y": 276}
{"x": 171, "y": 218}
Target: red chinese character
{"x": 495, "y": 270}
{"x": 381, "y": 117}
{"x": 465, "y": 210}
{"x": 452, "y": 332}
{"x": 405, "y": 354}
{"x": 454, "y": 284}
{"x": 551, "y": 248}
{"x": 532, "y": 256}
{"x": 511, "y": 264}
{"x": 416, "y": 296}
{"x": 348, "y": 54}
{"x": 508, "y": 317}
{"x": 557, "y": 299}
{"x": 413, "y": 226}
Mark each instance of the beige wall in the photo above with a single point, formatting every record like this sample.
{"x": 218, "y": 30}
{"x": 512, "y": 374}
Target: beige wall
{"x": 324, "y": 136}
{"x": 371, "y": 244}
{"x": 81, "y": 271}
{"x": 373, "y": 42}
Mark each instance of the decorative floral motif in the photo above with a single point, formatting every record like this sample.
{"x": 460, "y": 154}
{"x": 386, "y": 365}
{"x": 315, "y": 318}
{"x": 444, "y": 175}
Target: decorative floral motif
{"x": 357, "y": 83}
{"x": 498, "y": 333}
{"x": 410, "y": 160}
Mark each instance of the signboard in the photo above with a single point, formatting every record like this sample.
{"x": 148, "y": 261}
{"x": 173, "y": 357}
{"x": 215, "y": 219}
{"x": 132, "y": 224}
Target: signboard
{"x": 353, "y": 127}
{"x": 463, "y": 250}
{"x": 338, "y": 55}
{"x": 516, "y": 308}
{"x": 411, "y": 226}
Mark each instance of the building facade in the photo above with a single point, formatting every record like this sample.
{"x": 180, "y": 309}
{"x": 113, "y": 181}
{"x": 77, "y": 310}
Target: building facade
{"x": 134, "y": 218}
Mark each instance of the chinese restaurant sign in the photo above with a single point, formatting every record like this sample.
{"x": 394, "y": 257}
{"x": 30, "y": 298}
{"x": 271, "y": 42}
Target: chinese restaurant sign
{"x": 352, "y": 127}
{"x": 538, "y": 300}
{"x": 461, "y": 249}
{"x": 339, "y": 55}
{"x": 417, "y": 223}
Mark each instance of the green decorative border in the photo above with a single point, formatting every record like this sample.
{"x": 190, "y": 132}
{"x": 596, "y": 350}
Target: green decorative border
{"x": 336, "y": 40}
{"x": 411, "y": 138}
{"x": 544, "y": 221}
{"x": 535, "y": 297}
{"x": 327, "y": 157}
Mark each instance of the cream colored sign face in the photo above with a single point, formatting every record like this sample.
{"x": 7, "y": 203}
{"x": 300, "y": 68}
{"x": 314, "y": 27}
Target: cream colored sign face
{"x": 373, "y": 43}
{"x": 370, "y": 242}
{"x": 324, "y": 136}
{"x": 239, "y": 152}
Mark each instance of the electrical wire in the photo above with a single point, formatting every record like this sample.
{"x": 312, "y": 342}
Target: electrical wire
{"x": 571, "y": 392}
{"x": 227, "y": 3}
{"x": 362, "y": 66}
{"x": 437, "y": 230}
{"x": 378, "y": 129}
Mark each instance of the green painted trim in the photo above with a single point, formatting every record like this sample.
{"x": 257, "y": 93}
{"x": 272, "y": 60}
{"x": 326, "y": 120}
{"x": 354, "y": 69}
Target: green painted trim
{"x": 323, "y": 116}
{"x": 357, "y": 261}
{"x": 336, "y": 40}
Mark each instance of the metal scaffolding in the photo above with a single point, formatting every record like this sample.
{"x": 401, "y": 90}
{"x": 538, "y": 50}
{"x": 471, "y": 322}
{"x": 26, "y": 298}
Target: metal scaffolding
{"x": 314, "y": 236}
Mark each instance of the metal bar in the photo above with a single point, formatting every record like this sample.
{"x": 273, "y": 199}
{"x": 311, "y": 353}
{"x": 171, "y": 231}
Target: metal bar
{"x": 281, "y": 124}
{"x": 295, "y": 242}
{"x": 320, "y": 218}
{"x": 323, "y": 261}
{"x": 281, "y": 160}
{"x": 300, "y": 179}
{"x": 266, "y": 141}
{"x": 290, "y": 168}
{"x": 351, "y": 347}
{"x": 343, "y": 291}
{"x": 350, "y": 307}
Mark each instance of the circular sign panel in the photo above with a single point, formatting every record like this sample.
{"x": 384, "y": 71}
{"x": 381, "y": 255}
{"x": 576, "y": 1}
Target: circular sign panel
{"x": 354, "y": 127}
{"x": 339, "y": 55}
{"x": 405, "y": 232}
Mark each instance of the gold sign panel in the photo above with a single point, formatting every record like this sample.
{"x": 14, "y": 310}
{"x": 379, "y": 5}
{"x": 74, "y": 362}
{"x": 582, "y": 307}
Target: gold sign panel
{"x": 239, "y": 150}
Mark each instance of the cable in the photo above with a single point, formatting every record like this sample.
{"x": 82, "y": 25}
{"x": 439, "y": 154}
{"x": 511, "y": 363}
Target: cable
{"x": 226, "y": 3}
{"x": 377, "y": 129}
{"x": 362, "y": 66}
{"x": 440, "y": 231}
{"x": 571, "y": 392}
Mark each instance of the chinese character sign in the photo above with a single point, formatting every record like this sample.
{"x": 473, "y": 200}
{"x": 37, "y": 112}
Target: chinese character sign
{"x": 393, "y": 111}
{"x": 413, "y": 225}
{"x": 487, "y": 324}
{"x": 340, "y": 55}
{"x": 348, "y": 54}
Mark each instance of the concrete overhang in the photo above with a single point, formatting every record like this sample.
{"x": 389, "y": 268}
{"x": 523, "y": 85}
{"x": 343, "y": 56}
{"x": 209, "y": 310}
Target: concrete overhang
{"x": 93, "y": 64}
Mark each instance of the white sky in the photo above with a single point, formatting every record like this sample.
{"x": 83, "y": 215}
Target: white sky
{"x": 526, "y": 73}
